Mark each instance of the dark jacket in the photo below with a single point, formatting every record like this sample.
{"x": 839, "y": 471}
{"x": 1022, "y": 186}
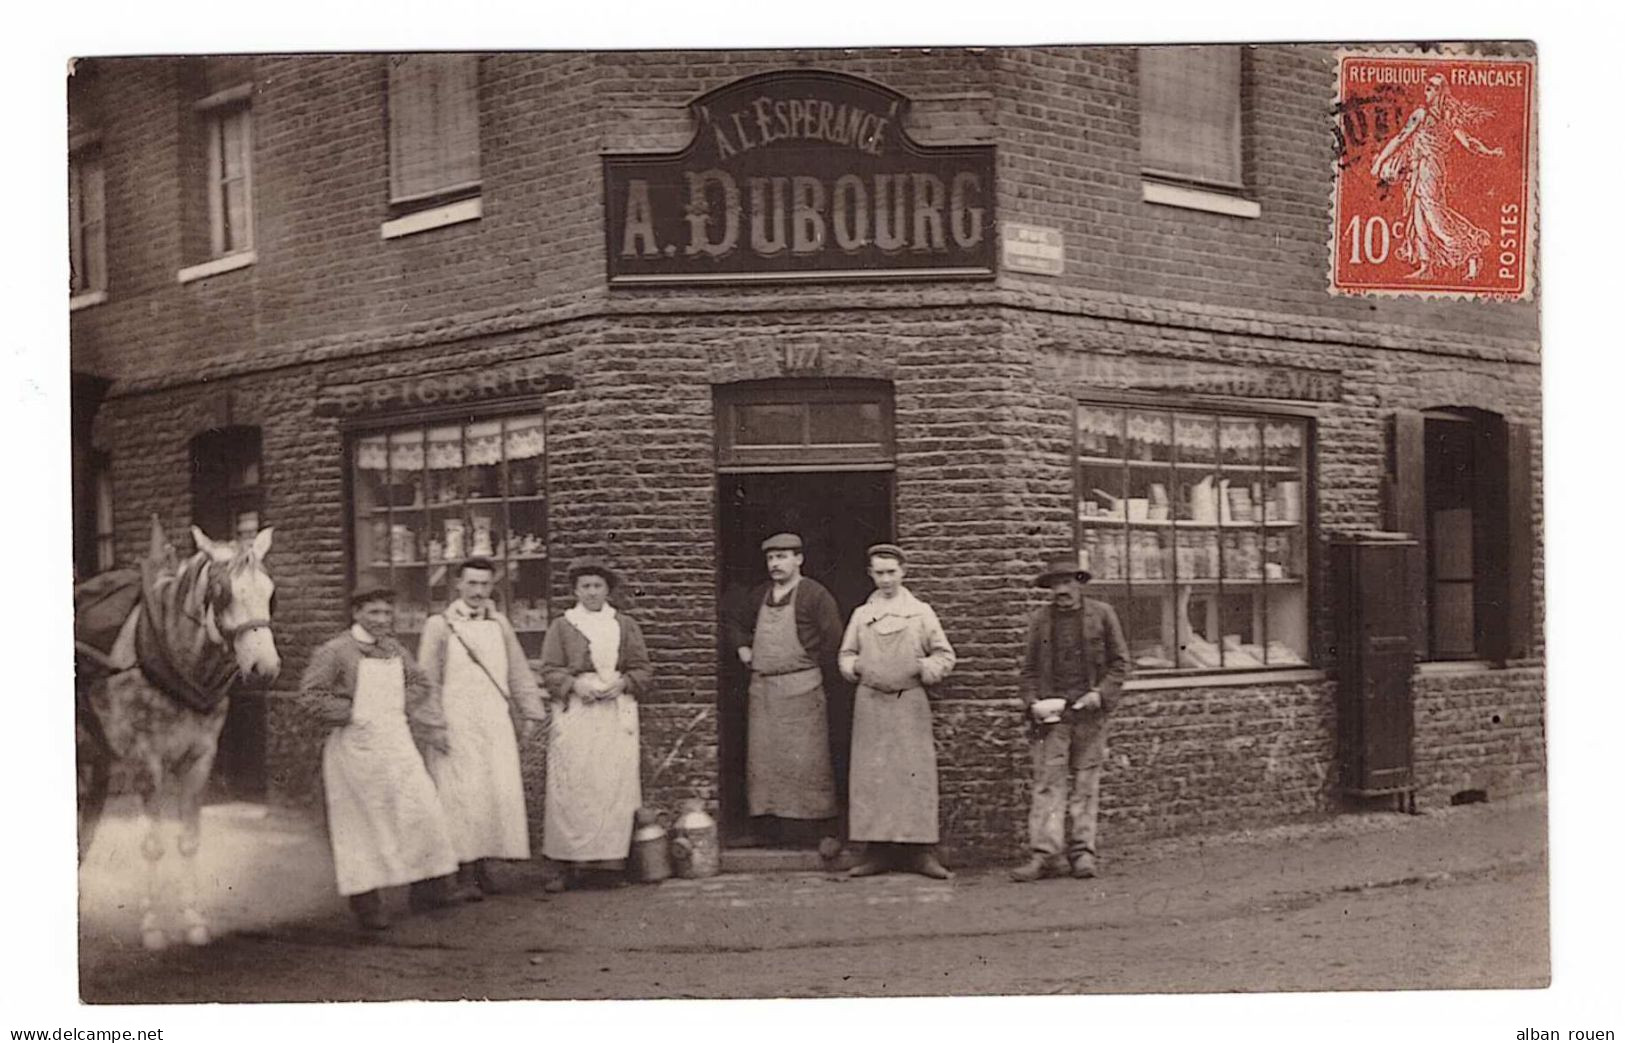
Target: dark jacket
{"x": 1106, "y": 654}
{"x": 818, "y": 622}
{"x": 566, "y": 652}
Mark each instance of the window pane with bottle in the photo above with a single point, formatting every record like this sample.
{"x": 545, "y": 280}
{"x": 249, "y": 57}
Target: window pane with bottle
{"x": 1194, "y": 528}
{"x": 427, "y": 498}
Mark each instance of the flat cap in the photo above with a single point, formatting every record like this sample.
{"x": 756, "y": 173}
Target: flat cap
{"x": 782, "y": 541}
{"x": 367, "y": 593}
{"x": 886, "y": 550}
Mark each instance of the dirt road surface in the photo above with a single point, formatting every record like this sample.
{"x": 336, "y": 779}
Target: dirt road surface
{"x": 1452, "y": 899}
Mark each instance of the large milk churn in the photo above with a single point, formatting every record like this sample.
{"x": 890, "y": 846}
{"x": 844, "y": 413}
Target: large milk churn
{"x": 694, "y": 844}
{"x": 650, "y": 861}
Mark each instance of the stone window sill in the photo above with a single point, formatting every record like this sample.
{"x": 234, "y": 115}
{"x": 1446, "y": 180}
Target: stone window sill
{"x": 436, "y": 217}
{"x": 1165, "y": 194}
{"x": 228, "y": 263}
{"x": 1297, "y": 675}
{"x": 87, "y": 299}
{"x": 1463, "y": 666}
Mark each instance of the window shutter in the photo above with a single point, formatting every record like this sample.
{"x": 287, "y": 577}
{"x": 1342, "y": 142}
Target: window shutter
{"x": 434, "y": 124}
{"x": 1190, "y": 113}
{"x": 1404, "y": 510}
{"x": 1520, "y": 563}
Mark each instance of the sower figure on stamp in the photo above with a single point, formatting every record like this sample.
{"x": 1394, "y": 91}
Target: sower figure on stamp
{"x": 787, "y": 634}
{"x": 1071, "y": 674}
{"x": 383, "y": 815}
{"x": 471, "y": 651}
{"x": 893, "y": 649}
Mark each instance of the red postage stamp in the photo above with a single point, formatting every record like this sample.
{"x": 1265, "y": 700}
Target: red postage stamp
{"x": 1433, "y": 192}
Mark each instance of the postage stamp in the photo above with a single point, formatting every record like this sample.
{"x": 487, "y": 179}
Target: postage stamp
{"x": 1433, "y": 193}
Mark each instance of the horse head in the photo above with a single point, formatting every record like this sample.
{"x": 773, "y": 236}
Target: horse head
{"x": 237, "y": 604}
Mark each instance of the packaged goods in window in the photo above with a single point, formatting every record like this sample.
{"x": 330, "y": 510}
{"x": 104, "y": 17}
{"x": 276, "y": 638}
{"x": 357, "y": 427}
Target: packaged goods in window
{"x": 1280, "y": 655}
{"x": 456, "y": 544}
{"x": 403, "y": 543}
{"x": 1107, "y": 556}
{"x": 1288, "y": 497}
{"x": 1237, "y": 654}
{"x": 481, "y": 546}
{"x": 1201, "y": 504}
{"x": 1150, "y": 655}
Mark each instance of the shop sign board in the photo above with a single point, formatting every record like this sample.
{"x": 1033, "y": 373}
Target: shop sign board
{"x": 1288, "y": 383}
{"x": 800, "y": 175}
{"x": 438, "y": 390}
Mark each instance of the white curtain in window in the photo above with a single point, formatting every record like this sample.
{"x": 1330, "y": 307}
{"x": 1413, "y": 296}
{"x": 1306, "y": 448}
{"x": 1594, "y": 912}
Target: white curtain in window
{"x": 1190, "y": 113}
{"x": 405, "y": 451}
{"x": 434, "y": 124}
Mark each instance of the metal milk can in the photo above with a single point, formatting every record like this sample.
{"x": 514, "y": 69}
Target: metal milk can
{"x": 694, "y": 845}
{"x": 650, "y": 861}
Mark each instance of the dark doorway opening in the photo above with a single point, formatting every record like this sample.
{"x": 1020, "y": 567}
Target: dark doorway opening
{"x": 838, "y": 515}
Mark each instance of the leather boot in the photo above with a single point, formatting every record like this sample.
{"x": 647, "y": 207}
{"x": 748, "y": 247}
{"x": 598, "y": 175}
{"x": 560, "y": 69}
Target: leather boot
{"x": 368, "y": 908}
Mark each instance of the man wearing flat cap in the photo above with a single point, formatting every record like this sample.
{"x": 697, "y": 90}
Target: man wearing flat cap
{"x": 1071, "y": 673}
{"x": 384, "y": 817}
{"x": 787, "y": 634}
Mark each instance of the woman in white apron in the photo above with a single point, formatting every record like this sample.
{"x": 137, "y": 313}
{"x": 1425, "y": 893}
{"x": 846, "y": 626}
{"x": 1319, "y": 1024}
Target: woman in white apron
{"x": 384, "y": 817}
{"x": 894, "y": 647}
{"x": 595, "y": 664}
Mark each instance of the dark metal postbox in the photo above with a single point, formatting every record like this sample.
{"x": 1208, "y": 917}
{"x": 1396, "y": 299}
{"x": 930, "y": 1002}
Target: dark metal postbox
{"x": 1375, "y": 658}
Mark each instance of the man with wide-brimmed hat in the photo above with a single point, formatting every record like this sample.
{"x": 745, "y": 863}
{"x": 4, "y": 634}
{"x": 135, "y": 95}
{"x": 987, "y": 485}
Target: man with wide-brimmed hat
{"x": 1071, "y": 674}
{"x": 787, "y": 634}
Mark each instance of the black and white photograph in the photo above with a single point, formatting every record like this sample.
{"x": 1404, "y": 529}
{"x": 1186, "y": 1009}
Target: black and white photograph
{"x": 754, "y": 522}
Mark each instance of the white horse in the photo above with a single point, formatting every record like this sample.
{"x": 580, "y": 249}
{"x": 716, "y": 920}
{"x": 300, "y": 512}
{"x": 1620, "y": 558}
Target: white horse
{"x": 157, "y": 699}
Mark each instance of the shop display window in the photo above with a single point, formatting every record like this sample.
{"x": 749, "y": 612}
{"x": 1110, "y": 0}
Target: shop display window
{"x": 428, "y": 497}
{"x": 1194, "y": 526}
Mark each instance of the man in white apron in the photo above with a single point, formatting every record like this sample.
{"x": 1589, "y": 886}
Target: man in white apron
{"x": 787, "y": 637}
{"x": 384, "y": 817}
{"x": 894, "y": 648}
{"x": 473, "y": 654}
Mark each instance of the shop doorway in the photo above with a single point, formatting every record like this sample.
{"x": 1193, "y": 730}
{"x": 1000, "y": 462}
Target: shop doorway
{"x": 838, "y": 515}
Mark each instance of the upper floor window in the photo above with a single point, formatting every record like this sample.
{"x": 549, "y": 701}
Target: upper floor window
{"x": 87, "y": 223}
{"x": 434, "y": 127}
{"x": 225, "y": 134}
{"x": 1190, "y": 128}
{"x": 231, "y": 213}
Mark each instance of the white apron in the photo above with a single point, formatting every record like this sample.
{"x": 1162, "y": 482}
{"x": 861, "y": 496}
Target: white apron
{"x": 479, "y": 781}
{"x": 592, "y": 781}
{"x": 383, "y": 814}
{"x": 894, "y": 757}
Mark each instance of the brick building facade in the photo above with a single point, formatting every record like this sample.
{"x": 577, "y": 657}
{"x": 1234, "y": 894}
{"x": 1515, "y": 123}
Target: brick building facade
{"x": 270, "y": 372}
